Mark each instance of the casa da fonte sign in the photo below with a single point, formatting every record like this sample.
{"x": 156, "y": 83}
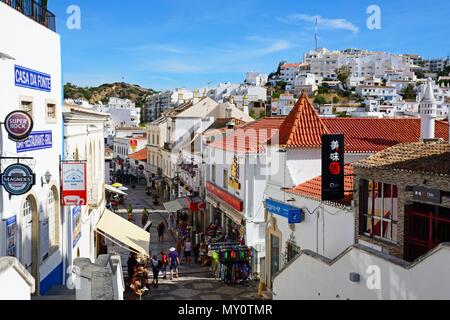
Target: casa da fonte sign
{"x": 19, "y": 125}
{"x": 17, "y": 179}
{"x": 32, "y": 79}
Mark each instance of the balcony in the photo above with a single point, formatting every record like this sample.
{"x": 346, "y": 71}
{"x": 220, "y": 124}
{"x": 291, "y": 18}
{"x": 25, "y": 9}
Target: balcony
{"x": 35, "y": 11}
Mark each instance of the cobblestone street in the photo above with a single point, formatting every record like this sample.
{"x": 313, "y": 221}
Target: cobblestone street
{"x": 195, "y": 282}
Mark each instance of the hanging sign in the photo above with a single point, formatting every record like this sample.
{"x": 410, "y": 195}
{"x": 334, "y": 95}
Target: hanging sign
{"x": 133, "y": 145}
{"x": 332, "y": 167}
{"x": 74, "y": 185}
{"x": 19, "y": 125}
{"x": 17, "y": 179}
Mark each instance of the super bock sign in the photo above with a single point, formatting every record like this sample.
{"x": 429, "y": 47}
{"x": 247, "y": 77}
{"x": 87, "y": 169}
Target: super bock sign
{"x": 19, "y": 125}
{"x": 17, "y": 179}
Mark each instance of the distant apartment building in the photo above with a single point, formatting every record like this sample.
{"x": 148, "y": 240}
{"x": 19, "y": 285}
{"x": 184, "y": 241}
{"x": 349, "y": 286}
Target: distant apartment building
{"x": 283, "y": 105}
{"x": 256, "y": 79}
{"x": 361, "y": 63}
{"x": 156, "y": 104}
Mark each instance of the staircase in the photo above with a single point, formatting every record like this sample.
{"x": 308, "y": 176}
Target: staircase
{"x": 57, "y": 293}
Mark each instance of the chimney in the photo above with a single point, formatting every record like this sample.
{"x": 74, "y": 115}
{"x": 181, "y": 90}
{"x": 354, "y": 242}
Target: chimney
{"x": 428, "y": 113}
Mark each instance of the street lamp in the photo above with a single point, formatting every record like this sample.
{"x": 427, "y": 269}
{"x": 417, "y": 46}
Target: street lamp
{"x": 48, "y": 177}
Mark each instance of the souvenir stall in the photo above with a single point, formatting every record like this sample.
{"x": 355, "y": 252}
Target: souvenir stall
{"x": 234, "y": 262}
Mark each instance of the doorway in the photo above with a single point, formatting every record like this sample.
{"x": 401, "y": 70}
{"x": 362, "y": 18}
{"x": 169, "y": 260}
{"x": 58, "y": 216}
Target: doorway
{"x": 29, "y": 250}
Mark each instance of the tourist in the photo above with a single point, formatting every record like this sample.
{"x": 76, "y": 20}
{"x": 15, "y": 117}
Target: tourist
{"x": 174, "y": 262}
{"x": 187, "y": 251}
{"x": 164, "y": 264}
{"x": 161, "y": 230}
{"x": 156, "y": 265}
{"x": 196, "y": 252}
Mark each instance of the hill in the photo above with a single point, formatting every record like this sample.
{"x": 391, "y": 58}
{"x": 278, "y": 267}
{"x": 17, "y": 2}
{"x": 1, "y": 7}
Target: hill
{"x": 105, "y": 91}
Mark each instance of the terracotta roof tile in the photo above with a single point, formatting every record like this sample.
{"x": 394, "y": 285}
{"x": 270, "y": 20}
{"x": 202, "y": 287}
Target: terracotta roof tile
{"x": 252, "y": 137}
{"x": 303, "y": 127}
{"x": 313, "y": 188}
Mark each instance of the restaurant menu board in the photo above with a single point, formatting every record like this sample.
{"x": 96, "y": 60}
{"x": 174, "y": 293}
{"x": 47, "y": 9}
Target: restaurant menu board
{"x": 11, "y": 236}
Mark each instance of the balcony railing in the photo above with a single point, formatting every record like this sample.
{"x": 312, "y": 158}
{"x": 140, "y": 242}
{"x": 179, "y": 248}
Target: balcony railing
{"x": 35, "y": 11}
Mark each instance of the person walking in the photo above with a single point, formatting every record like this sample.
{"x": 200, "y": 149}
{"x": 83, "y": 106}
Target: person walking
{"x": 187, "y": 251}
{"x": 174, "y": 262}
{"x": 156, "y": 265}
{"x": 164, "y": 263}
{"x": 161, "y": 230}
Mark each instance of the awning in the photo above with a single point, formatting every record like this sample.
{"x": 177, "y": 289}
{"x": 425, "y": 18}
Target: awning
{"x": 176, "y": 205}
{"x": 114, "y": 190}
{"x": 124, "y": 233}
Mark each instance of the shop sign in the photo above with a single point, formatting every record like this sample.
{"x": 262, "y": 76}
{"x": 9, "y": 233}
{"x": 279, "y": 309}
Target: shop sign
{"x": 425, "y": 194}
{"x": 76, "y": 225}
{"x": 17, "y": 179}
{"x": 36, "y": 141}
{"x": 234, "y": 178}
{"x": 32, "y": 79}
{"x": 19, "y": 125}
{"x": 133, "y": 145}
{"x": 332, "y": 167}
{"x": 74, "y": 186}
{"x": 234, "y": 202}
{"x": 294, "y": 215}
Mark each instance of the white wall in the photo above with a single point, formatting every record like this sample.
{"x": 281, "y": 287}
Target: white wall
{"x": 13, "y": 286}
{"x": 38, "y": 48}
{"x": 309, "y": 276}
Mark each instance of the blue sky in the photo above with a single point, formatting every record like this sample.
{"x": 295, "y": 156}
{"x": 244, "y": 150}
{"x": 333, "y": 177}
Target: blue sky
{"x": 164, "y": 44}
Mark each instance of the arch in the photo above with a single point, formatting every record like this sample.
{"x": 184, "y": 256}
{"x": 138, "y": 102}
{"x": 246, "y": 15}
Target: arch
{"x": 29, "y": 253}
{"x": 54, "y": 218}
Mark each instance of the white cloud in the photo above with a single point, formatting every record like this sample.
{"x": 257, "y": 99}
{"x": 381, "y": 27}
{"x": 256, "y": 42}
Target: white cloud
{"x": 337, "y": 24}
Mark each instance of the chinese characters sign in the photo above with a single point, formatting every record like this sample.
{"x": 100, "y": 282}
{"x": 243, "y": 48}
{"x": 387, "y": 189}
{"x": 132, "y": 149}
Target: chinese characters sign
{"x": 332, "y": 167}
{"x": 74, "y": 186}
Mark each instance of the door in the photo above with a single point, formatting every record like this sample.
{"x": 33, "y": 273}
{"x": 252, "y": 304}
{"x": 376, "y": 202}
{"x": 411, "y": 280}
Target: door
{"x": 27, "y": 236}
{"x": 275, "y": 256}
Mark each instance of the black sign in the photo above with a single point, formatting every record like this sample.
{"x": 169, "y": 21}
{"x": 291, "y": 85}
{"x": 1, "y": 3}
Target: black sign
{"x": 332, "y": 167}
{"x": 429, "y": 195}
{"x": 17, "y": 179}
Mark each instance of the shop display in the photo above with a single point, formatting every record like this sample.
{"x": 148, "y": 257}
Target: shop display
{"x": 234, "y": 265}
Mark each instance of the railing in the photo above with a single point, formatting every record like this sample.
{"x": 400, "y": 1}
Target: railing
{"x": 35, "y": 11}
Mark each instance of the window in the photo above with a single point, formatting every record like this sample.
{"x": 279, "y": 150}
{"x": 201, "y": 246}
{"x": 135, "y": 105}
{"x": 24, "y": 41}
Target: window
{"x": 213, "y": 173}
{"x": 292, "y": 250}
{"x": 378, "y": 210}
{"x": 27, "y": 106}
{"x": 52, "y": 221}
{"x": 51, "y": 112}
{"x": 225, "y": 179}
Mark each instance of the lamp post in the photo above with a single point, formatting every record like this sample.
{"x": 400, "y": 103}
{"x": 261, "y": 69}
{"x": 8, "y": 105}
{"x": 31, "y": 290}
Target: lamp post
{"x": 48, "y": 178}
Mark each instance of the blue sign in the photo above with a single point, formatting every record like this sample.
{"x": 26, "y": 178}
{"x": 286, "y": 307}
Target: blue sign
{"x": 32, "y": 79}
{"x": 294, "y": 215}
{"x": 36, "y": 141}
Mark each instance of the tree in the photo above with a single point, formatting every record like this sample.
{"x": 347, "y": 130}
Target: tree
{"x": 320, "y": 100}
{"x": 343, "y": 74}
{"x": 420, "y": 74}
{"x": 336, "y": 99}
{"x": 409, "y": 93}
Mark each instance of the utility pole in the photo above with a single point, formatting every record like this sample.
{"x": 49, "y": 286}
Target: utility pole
{"x": 316, "y": 32}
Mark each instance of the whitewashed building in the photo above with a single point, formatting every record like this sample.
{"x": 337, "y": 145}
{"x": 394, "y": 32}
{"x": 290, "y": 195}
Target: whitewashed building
{"x": 32, "y": 83}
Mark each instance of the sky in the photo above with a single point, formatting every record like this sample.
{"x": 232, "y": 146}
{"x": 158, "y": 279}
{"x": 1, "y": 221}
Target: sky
{"x": 166, "y": 44}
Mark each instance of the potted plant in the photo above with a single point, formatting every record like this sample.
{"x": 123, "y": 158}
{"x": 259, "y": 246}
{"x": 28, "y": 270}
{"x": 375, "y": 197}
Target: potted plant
{"x": 130, "y": 212}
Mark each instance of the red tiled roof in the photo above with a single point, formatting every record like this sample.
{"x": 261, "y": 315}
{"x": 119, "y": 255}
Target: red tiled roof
{"x": 363, "y": 135}
{"x": 313, "y": 188}
{"x": 251, "y": 137}
{"x": 291, "y": 65}
{"x": 141, "y": 155}
{"x": 303, "y": 127}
